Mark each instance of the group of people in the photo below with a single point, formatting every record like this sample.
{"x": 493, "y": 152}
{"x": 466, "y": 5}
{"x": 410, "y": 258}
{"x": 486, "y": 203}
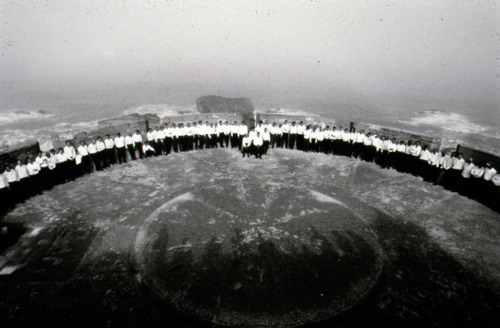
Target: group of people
{"x": 40, "y": 172}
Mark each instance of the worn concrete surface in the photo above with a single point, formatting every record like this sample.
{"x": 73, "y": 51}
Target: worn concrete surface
{"x": 70, "y": 266}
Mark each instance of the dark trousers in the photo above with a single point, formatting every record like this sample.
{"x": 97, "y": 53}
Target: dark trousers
{"x": 292, "y": 140}
{"x": 131, "y": 151}
{"x": 285, "y": 139}
{"x": 122, "y": 155}
{"x": 138, "y": 147}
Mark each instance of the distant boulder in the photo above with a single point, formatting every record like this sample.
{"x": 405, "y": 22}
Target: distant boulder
{"x": 218, "y": 104}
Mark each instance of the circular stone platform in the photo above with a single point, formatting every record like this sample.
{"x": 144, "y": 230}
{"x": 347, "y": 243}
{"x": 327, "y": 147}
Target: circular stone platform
{"x": 260, "y": 255}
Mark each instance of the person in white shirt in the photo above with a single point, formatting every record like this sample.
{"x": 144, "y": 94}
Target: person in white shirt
{"x": 148, "y": 150}
{"x": 120, "y": 148}
{"x": 366, "y": 153}
{"x": 423, "y": 163}
{"x": 455, "y": 173}
{"x": 70, "y": 154}
{"x": 300, "y": 135}
{"x": 25, "y": 187}
{"x": 94, "y": 155}
{"x": 34, "y": 176}
{"x": 129, "y": 144}
{"x": 346, "y": 143}
{"x": 246, "y": 144}
{"x": 266, "y": 138}
{"x": 101, "y": 152}
{"x": 214, "y": 136}
{"x": 285, "y": 127}
{"x": 151, "y": 138}
{"x": 413, "y": 159}
{"x": 293, "y": 132}
{"x": 62, "y": 171}
{"x": 169, "y": 139}
{"x": 495, "y": 193}
{"x": 465, "y": 183}
{"x": 110, "y": 154}
{"x": 83, "y": 151}
{"x": 5, "y": 192}
{"x": 446, "y": 166}
{"x": 137, "y": 138}
{"x": 242, "y": 131}
{"x": 258, "y": 143}
{"x": 378, "y": 150}
{"x": 357, "y": 142}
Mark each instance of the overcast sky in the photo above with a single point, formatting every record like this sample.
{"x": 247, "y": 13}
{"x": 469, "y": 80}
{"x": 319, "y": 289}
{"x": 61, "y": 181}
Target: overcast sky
{"x": 422, "y": 48}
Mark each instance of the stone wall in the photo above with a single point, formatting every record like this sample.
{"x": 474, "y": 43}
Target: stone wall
{"x": 480, "y": 155}
{"x": 20, "y": 151}
{"x": 399, "y": 134}
{"x": 204, "y": 117}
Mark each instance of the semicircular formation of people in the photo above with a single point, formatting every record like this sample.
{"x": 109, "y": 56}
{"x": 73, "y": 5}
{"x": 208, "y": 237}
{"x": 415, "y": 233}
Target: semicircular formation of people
{"x": 472, "y": 178}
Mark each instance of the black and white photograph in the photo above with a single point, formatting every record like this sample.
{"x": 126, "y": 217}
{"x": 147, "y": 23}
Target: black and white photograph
{"x": 272, "y": 164}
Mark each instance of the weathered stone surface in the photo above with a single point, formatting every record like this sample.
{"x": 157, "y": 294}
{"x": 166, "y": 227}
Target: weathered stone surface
{"x": 218, "y": 104}
{"x": 267, "y": 256}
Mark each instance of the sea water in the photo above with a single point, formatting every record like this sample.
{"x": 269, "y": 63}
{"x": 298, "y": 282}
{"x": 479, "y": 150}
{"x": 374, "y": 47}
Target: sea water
{"x": 38, "y": 115}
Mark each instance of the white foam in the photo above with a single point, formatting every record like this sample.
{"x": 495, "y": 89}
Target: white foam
{"x": 285, "y": 111}
{"x": 446, "y": 121}
{"x": 162, "y": 109}
{"x": 325, "y": 198}
{"x": 18, "y": 115}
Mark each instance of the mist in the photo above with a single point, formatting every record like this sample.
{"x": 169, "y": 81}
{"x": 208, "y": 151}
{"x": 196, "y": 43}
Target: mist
{"x": 441, "y": 54}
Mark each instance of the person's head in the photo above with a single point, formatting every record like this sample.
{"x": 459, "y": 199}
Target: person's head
{"x": 293, "y": 123}
{"x": 137, "y": 131}
{"x": 346, "y": 130}
{"x": 106, "y": 136}
{"x": 410, "y": 142}
{"x": 353, "y": 130}
{"x": 200, "y": 122}
{"x": 40, "y": 154}
{"x": 99, "y": 138}
{"x": 424, "y": 147}
{"x": 68, "y": 143}
{"x": 225, "y": 123}
{"x": 60, "y": 151}
{"x": 30, "y": 160}
{"x": 384, "y": 138}
{"x": 82, "y": 142}
{"x": 7, "y": 168}
{"x": 194, "y": 123}
{"x": 19, "y": 162}
{"x": 471, "y": 160}
{"x": 146, "y": 143}
{"x": 460, "y": 155}
{"x": 118, "y": 135}
{"x": 417, "y": 143}
{"x": 368, "y": 134}
{"x": 402, "y": 142}
{"x": 129, "y": 134}
{"x": 394, "y": 140}
{"x": 488, "y": 165}
{"x": 150, "y": 130}
{"x": 334, "y": 128}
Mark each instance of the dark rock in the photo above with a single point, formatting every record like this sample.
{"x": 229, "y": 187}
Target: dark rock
{"x": 218, "y": 104}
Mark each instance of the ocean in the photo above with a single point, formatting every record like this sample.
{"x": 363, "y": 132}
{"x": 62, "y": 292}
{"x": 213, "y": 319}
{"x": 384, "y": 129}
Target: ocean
{"x": 35, "y": 114}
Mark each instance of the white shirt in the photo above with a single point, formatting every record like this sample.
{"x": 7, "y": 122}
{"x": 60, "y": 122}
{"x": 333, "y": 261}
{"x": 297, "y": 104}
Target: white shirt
{"x": 3, "y": 182}
{"x": 83, "y": 150}
{"x": 120, "y": 142}
{"x": 246, "y": 142}
{"x": 100, "y": 146}
{"x": 458, "y": 164}
{"x": 129, "y": 140}
{"x": 257, "y": 141}
{"x": 22, "y": 171}
{"x": 137, "y": 137}
{"x": 92, "y": 148}
{"x": 61, "y": 158}
{"x": 401, "y": 148}
{"x": 496, "y": 180}
{"x": 294, "y": 129}
{"x": 489, "y": 173}
{"x": 266, "y": 136}
{"x": 415, "y": 150}
{"x": 11, "y": 176}
{"x": 70, "y": 152}
{"x": 367, "y": 141}
{"x": 392, "y": 147}
{"x": 425, "y": 155}
{"x": 109, "y": 143}
{"x": 477, "y": 172}
{"x": 467, "y": 169}
{"x": 145, "y": 148}
{"x": 285, "y": 128}
{"x": 33, "y": 168}
{"x": 151, "y": 135}
{"x": 243, "y": 130}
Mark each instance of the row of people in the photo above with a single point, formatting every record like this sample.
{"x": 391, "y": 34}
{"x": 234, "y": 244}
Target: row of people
{"x": 54, "y": 167}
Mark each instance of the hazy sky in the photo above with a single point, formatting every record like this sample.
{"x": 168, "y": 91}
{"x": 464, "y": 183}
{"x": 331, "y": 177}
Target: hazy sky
{"x": 420, "y": 48}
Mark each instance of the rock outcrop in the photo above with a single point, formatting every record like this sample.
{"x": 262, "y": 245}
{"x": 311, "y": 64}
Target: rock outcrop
{"x": 218, "y": 104}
